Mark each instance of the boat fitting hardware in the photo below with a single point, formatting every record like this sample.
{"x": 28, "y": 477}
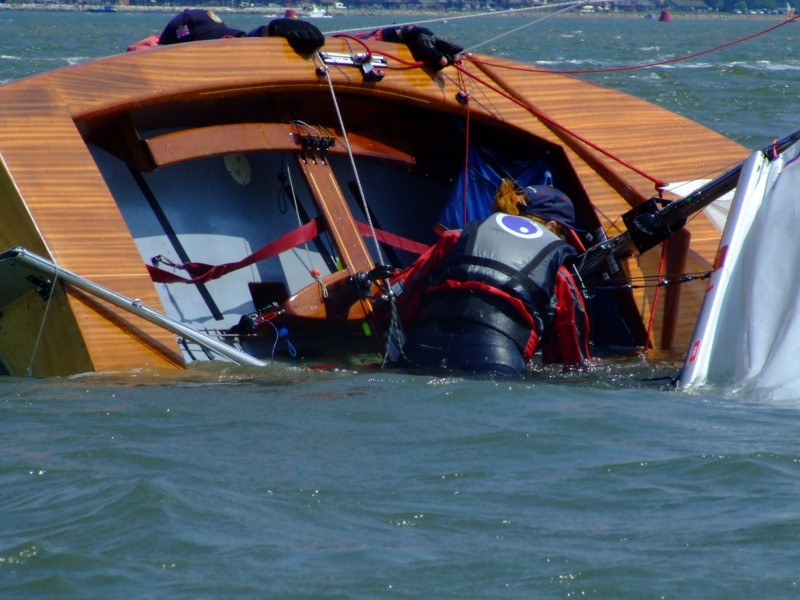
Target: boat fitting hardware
{"x": 46, "y": 268}
{"x": 384, "y": 302}
{"x": 362, "y": 283}
{"x": 371, "y": 75}
{"x": 363, "y": 280}
{"x": 381, "y": 272}
{"x": 370, "y": 65}
{"x": 316, "y": 147}
{"x": 250, "y": 323}
{"x": 646, "y": 225}
{"x": 576, "y": 275}
{"x": 43, "y": 286}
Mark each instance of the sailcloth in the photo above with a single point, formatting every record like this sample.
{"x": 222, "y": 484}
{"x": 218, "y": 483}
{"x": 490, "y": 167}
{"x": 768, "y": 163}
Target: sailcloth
{"x": 717, "y": 211}
{"x": 747, "y": 336}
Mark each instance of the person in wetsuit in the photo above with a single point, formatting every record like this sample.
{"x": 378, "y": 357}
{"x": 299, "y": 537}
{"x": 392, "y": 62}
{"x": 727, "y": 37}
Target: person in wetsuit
{"x": 486, "y": 298}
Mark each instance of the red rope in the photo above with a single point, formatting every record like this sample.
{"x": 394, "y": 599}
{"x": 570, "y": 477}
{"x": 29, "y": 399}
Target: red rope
{"x": 654, "y": 305}
{"x": 402, "y": 61}
{"x": 642, "y": 66}
{"x": 355, "y": 39}
{"x": 658, "y": 182}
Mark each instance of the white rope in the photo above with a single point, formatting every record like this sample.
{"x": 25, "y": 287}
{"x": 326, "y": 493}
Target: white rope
{"x": 50, "y": 295}
{"x": 568, "y": 6}
{"x": 495, "y": 13}
{"x": 353, "y": 164}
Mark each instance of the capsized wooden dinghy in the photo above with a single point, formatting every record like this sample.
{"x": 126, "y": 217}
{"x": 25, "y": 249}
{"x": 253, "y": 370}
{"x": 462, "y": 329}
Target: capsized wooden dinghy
{"x": 288, "y": 175}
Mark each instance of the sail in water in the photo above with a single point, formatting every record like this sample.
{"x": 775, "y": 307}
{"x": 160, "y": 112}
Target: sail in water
{"x": 747, "y": 336}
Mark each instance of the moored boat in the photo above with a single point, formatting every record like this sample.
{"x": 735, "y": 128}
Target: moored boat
{"x": 106, "y": 8}
{"x": 242, "y": 201}
{"x": 311, "y": 11}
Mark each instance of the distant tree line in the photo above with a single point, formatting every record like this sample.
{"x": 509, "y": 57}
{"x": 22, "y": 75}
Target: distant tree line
{"x": 728, "y": 6}
{"x": 745, "y": 6}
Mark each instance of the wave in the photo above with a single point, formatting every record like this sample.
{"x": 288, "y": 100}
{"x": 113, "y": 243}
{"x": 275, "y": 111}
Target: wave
{"x": 764, "y": 65}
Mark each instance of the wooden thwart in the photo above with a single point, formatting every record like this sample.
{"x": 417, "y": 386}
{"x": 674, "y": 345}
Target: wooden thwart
{"x": 190, "y": 144}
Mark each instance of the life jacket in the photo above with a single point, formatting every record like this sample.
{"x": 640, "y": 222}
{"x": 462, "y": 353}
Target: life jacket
{"x": 513, "y": 255}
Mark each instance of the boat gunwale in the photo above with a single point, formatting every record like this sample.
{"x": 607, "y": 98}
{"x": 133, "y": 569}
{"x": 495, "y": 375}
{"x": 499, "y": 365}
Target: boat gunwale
{"x": 125, "y": 84}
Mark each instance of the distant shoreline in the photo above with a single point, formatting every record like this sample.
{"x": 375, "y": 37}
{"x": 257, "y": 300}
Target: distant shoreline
{"x": 264, "y": 10}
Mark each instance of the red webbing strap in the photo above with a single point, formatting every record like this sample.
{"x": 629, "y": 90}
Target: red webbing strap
{"x": 203, "y": 273}
{"x": 392, "y": 239}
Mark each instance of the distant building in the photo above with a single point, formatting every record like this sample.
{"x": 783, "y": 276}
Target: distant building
{"x": 635, "y": 5}
{"x": 690, "y": 5}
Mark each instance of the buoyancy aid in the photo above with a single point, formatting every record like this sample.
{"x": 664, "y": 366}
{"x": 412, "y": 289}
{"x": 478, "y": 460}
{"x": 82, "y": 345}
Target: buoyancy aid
{"x": 486, "y": 298}
{"x": 511, "y": 254}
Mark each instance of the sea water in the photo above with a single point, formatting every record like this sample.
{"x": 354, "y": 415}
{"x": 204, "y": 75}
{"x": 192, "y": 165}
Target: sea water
{"x": 229, "y": 482}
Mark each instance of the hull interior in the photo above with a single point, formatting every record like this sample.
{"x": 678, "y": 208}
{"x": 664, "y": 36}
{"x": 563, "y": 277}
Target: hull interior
{"x": 154, "y": 170}
{"x": 217, "y": 209}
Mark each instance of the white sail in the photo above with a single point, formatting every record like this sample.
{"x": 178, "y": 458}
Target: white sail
{"x": 747, "y": 336}
{"x": 717, "y": 211}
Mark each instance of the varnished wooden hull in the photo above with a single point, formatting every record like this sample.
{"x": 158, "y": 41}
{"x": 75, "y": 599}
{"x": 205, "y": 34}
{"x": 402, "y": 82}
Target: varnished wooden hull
{"x": 82, "y": 147}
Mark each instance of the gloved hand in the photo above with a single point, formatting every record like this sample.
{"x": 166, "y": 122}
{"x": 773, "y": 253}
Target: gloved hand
{"x": 302, "y": 36}
{"x": 429, "y": 48}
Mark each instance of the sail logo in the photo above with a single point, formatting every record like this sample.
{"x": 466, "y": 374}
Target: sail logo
{"x": 519, "y": 226}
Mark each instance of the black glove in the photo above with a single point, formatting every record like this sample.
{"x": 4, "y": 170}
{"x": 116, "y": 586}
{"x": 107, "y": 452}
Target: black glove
{"x": 302, "y": 36}
{"x": 429, "y": 48}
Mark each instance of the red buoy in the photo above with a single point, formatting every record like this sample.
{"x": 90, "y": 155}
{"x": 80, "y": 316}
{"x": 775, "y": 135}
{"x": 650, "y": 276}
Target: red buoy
{"x": 666, "y": 17}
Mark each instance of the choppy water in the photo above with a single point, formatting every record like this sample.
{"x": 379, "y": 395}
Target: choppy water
{"x": 236, "y": 483}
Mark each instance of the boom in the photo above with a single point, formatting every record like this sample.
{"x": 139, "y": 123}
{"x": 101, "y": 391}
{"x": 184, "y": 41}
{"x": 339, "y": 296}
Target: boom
{"x": 648, "y": 225}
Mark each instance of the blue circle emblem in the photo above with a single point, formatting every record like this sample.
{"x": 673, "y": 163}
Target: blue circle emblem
{"x": 519, "y": 226}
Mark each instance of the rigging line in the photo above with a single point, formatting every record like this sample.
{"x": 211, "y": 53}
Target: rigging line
{"x": 312, "y": 131}
{"x": 402, "y": 61}
{"x": 172, "y": 237}
{"x": 295, "y": 201}
{"x": 645, "y": 65}
{"x": 658, "y": 182}
{"x": 35, "y": 351}
{"x": 379, "y": 254}
{"x": 653, "y": 280}
{"x": 462, "y": 83}
{"x": 569, "y": 6}
{"x": 495, "y": 13}
{"x": 657, "y": 292}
